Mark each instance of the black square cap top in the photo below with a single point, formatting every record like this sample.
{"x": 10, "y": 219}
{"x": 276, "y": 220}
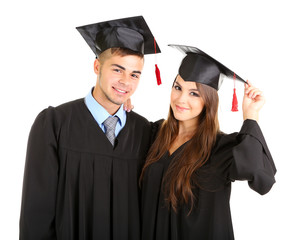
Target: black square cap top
{"x": 132, "y": 33}
{"x": 197, "y": 66}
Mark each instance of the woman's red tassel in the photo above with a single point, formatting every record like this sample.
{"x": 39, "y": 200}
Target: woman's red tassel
{"x": 234, "y": 107}
{"x": 158, "y": 76}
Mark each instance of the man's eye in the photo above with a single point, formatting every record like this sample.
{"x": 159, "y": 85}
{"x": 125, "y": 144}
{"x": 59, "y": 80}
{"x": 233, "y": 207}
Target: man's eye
{"x": 117, "y": 70}
{"x": 134, "y": 76}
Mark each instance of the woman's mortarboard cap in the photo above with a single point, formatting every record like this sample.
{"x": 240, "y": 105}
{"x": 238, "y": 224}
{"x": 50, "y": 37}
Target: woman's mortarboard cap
{"x": 197, "y": 66}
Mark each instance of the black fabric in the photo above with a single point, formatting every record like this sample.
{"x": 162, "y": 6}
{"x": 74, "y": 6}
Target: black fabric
{"x": 198, "y": 66}
{"x": 132, "y": 33}
{"x": 237, "y": 156}
{"x": 76, "y": 185}
{"x": 119, "y": 37}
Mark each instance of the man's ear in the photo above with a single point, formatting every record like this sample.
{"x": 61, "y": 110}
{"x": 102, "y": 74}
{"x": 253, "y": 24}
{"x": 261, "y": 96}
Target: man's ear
{"x": 97, "y": 65}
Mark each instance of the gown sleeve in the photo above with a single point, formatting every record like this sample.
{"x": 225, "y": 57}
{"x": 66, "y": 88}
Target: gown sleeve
{"x": 252, "y": 160}
{"x": 37, "y": 218}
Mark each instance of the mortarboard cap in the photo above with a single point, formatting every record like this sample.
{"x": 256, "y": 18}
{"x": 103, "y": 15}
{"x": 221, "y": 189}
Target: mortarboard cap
{"x": 197, "y": 66}
{"x": 132, "y": 33}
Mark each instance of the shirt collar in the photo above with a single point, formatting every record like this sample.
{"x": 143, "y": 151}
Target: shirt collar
{"x": 100, "y": 114}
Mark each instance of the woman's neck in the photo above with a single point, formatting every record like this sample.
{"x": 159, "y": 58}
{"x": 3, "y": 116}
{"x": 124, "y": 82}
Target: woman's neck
{"x": 187, "y": 128}
{"x": 185, "y": 133}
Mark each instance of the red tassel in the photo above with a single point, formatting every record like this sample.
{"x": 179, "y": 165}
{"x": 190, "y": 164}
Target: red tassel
{"x": 234, "y": 107}
{"x": 157, "y": 70}
{"x": 158, "y": 76}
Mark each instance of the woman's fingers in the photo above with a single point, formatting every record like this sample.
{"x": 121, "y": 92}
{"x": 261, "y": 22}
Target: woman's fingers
{"x": 128, "y": 106}
{"x": 251, "y": 91}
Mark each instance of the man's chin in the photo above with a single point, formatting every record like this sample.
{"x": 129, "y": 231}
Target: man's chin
{"x": 118, "y": 102}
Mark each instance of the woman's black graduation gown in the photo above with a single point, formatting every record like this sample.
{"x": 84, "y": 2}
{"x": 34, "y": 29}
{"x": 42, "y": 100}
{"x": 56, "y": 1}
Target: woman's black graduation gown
{"x": 238, "y": 156}
{"x": 76, "y": 186}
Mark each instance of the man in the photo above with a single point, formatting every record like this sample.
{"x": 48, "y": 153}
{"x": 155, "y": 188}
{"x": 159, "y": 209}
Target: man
{"x": 84, "y": 157}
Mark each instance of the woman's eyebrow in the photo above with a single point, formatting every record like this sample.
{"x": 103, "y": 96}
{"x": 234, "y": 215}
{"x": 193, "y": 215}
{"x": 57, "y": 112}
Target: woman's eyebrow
{"x": 177, "y": 83}
{"x": 193, "y": 89}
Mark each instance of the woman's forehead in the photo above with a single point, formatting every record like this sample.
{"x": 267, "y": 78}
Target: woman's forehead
{"x": 186, "y": 84}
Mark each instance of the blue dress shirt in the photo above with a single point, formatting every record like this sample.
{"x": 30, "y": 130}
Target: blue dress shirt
{"x": 100, "y": 114}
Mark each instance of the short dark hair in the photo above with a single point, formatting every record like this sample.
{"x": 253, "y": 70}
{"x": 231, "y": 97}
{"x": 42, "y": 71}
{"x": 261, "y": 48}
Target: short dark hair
{"x": 125, "y": 51}
{"x": 118, "y": 52}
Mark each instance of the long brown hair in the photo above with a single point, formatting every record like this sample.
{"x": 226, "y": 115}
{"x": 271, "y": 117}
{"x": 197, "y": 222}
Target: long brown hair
{"x": 178, "y": 181}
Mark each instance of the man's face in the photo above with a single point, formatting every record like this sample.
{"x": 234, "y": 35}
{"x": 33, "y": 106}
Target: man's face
{"x": 117, "y": 79}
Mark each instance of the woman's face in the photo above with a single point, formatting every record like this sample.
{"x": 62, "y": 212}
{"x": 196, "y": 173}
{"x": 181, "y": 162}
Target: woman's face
{"x": 186, "y": 102}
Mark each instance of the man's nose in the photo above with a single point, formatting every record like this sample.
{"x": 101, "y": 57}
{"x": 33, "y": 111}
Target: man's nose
{"x": 124, "y": 79}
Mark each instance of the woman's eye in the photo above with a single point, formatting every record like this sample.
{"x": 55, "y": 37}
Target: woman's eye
{"x": 177, "y": 87}
{"x": 194, "y": 94}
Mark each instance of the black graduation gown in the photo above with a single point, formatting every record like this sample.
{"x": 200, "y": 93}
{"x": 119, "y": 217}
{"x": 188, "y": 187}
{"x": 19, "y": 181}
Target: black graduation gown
{"x": 238, "y": 156}
{"x": 76, "y": 186}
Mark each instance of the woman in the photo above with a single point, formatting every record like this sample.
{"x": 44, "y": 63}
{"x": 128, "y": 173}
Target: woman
{"x": 186, "y": 181}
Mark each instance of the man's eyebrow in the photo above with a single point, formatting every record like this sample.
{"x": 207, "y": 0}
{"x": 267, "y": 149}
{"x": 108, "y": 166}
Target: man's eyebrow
{"x": 121, "y": 67}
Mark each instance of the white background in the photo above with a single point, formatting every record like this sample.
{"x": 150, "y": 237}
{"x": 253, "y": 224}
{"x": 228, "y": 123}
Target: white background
{"x": 45, "y": 61}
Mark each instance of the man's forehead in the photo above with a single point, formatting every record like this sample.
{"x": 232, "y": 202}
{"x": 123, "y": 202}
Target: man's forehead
{"x": 129, "y": 62}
